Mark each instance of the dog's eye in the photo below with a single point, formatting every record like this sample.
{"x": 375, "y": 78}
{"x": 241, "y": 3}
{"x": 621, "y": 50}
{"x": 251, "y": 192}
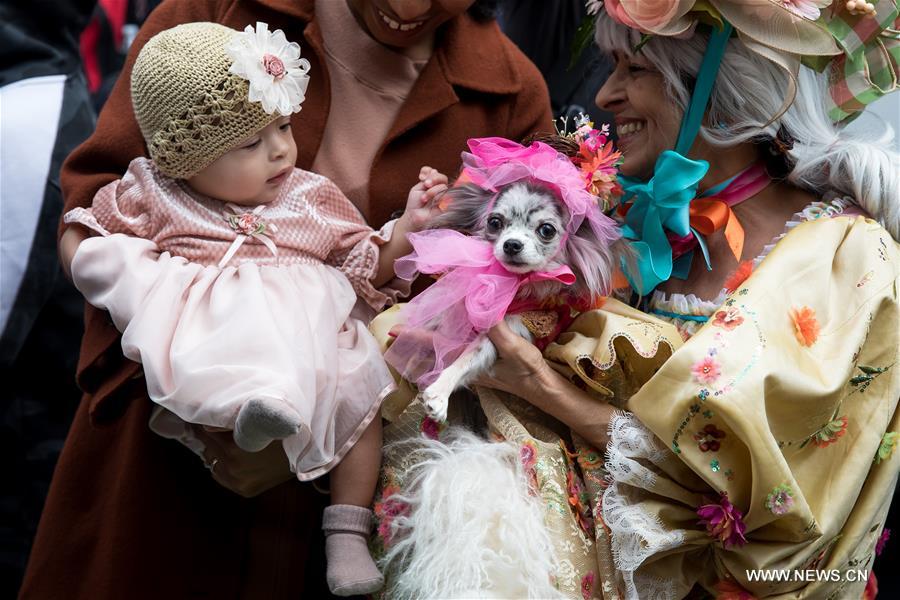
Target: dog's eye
{"x": 546, "y": 231}
{"x": 495, "y": 223}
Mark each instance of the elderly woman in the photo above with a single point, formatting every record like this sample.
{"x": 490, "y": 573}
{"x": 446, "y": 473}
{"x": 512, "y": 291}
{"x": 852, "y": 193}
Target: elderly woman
{"x": 761, "y": 391}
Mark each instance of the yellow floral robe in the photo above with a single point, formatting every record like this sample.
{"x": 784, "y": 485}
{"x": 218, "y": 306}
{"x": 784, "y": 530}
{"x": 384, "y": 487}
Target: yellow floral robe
{"x": 784, "y": 402}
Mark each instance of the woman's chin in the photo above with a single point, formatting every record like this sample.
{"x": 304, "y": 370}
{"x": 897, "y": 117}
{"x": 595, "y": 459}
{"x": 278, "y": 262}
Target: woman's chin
{"x": 636, "y": 168}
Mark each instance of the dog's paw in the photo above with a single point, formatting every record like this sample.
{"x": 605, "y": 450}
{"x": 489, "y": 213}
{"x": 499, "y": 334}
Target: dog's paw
{"x": 435, "y": 403}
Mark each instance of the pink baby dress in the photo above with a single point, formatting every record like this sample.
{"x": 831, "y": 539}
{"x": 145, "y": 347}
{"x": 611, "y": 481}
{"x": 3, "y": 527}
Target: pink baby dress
{"x": 242, "y": 302}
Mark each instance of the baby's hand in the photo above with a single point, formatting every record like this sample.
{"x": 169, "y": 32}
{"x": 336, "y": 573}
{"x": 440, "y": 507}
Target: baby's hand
{"x": 420, "y": 205}
{"x": 68, "y": 244}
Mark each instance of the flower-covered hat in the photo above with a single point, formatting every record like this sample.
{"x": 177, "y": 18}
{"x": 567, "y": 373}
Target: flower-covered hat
{"x": 200, "y": 89}
{"x": 856, "y": 40}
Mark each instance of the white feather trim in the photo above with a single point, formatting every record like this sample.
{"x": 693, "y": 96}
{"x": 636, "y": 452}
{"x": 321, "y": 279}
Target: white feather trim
{"x": 473, "y": 530}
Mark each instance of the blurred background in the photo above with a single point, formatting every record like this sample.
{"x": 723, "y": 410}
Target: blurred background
{"x": 58, "y": 62}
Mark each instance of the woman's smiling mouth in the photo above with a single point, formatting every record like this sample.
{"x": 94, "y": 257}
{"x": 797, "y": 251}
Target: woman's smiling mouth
{"x": 399, "y": 25}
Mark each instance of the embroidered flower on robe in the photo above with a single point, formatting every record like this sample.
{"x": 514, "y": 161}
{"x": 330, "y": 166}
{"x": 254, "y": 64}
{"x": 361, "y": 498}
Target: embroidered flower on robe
{"x": 728, "y": 318}
{"x": 589, "y": 459}
{"x": 387, "y": 509}
{"x": 882, "y": 541}
{"x": 831, "y": 432}
{"x": 706, "y": 370}
{"x": 587, "y": 586}
{"x": 708, "y": 438}
{"x": 430, "y": 428}
{"x": 727, "y": 589}
{"x": 724, "y": 522}
{"x": 579, "y": 500}
{"x": 780, "y": 500}
{"x": 888, "y": 443}
{"x": 528, "y": 456}
{"x": 806, "y": 326}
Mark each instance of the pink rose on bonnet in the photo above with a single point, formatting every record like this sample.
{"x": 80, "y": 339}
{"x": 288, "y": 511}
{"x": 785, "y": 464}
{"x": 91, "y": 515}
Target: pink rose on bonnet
{"x": 645, "y": 15}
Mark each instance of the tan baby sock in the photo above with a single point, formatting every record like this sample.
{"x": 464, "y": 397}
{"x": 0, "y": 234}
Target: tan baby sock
{"x": 351, "y": 570}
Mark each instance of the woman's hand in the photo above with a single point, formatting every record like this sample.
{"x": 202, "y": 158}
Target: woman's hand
{"x": 247, "y": 474}
{"x": 522, "y": 371}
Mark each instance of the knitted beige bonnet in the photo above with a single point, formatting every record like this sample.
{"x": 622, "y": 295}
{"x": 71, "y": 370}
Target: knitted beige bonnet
{"x": 191, "y": 109}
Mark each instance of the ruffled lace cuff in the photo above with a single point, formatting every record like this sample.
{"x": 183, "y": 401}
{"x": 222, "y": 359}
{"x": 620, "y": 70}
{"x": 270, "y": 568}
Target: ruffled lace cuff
{"x": 361, "y": 265}
{"x": 636, "y": 534}
{"x": 83, "y": 216}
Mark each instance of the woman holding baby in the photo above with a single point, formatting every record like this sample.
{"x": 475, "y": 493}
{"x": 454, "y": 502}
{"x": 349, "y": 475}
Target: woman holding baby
{"x": 131, "y": 514}
{"x": 759, "y": 392}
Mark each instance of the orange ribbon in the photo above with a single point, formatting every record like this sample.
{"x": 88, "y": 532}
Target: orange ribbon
{"x": 709, "y": 215}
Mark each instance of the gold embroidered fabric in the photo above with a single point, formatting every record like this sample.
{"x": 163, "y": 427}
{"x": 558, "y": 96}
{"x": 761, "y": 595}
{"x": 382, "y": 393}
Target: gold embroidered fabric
{"x": 782, "y": 401}
{"x": 785, "y": 403}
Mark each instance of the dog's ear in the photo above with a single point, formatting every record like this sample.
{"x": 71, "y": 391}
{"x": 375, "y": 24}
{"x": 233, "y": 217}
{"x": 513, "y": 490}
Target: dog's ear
{"x": 466, "y": 209}
{"x": 593, "y": 261}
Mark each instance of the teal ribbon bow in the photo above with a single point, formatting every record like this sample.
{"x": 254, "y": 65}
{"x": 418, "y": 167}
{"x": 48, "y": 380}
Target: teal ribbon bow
{"x": 664, "y": 201}
{"x": 659, "y": 204}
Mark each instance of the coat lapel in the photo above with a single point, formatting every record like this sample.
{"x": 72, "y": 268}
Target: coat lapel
{"x": 482, "y": 66}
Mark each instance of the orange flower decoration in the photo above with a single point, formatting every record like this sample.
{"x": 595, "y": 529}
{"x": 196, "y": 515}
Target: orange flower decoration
{"x": 739, "y": 276}
{"x": 806, "y": 326}
{"x": 831, "y": 432}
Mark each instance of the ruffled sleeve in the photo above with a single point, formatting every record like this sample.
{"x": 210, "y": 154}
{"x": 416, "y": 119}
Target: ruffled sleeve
{"x": 122, "y": 206}
{"x": 355, "y": 247}
{"x": 760, "y": 448}
{"x": 116, "y": 273}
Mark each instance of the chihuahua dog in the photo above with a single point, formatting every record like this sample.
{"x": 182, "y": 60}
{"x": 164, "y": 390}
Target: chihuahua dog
{"x": 526, "y": 224}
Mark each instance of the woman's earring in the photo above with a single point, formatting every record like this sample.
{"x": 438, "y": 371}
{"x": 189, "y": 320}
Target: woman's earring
{"x": 777, "y": 157}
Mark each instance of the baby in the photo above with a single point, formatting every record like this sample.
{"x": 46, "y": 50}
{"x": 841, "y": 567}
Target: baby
{"x": 244, "y": 321}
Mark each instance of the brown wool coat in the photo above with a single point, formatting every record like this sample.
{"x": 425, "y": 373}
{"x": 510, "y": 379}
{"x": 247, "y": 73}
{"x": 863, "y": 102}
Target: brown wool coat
{"x": 132, "y": 515}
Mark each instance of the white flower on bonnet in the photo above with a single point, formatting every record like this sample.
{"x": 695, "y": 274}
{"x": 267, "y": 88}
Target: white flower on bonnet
{"x": 277, "y": 75}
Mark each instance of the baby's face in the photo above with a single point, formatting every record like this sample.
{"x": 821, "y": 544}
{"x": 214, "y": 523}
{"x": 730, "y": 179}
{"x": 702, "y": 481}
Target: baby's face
{"x": 253, "y": 172}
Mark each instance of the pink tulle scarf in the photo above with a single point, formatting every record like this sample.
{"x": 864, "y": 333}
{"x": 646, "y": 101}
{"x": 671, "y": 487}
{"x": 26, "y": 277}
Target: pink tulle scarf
{"x": 473, "y": 294}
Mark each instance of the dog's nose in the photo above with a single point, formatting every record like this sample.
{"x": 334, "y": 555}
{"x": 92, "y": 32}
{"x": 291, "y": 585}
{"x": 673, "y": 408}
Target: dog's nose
{"x": 512, "y": 247}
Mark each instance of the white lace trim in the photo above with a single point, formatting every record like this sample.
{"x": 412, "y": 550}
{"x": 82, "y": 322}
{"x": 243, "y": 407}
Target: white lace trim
{"x": 636, "y": 534}
{"x": 654, "y": 588}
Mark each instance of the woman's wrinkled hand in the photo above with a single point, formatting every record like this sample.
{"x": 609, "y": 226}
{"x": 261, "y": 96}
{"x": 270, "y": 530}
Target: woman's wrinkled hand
{"x": 520, "y": 368}
{"x": 522, "y": 371}
{"x": 247, "y": 474}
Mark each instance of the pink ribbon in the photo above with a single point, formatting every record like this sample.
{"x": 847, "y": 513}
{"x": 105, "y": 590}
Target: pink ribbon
{"x": 247, "y": 224}
{"x": 473, "y": 294}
